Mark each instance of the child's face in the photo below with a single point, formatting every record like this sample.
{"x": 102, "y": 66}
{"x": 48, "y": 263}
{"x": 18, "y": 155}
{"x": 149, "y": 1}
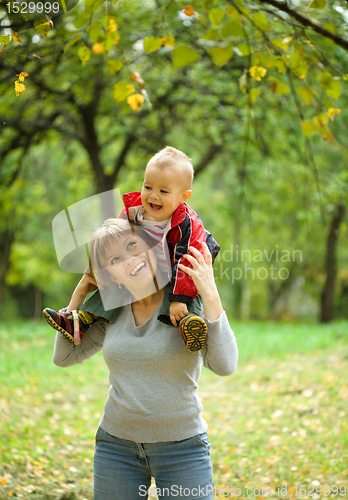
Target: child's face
{"x": 163, "y": 191}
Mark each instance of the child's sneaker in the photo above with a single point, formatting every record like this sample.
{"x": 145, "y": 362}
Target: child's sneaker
{"x": 193, "y": 331}
{"x": 64, "y": 323}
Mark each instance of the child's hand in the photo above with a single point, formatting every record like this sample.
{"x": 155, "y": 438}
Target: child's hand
{"x": 177, "y": 311}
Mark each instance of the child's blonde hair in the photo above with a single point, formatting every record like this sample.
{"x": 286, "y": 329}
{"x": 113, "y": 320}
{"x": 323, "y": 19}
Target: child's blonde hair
{"x": 102, "y": 239}
{"x": 171, "y": 157}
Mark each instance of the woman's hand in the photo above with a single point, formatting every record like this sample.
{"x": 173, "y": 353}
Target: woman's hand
{"x": 86, "y": 285}
{"x": 203, "y": 277}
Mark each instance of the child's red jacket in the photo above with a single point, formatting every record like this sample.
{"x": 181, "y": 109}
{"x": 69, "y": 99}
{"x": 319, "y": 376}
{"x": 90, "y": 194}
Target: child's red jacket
{"x": 186, "y": 229}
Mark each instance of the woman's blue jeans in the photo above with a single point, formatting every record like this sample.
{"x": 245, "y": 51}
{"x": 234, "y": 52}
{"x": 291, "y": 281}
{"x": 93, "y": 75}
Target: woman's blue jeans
{"x": 123, "y": 469}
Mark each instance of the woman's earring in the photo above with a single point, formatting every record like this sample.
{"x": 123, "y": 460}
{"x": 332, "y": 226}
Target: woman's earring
{"x": 119, "y": 286}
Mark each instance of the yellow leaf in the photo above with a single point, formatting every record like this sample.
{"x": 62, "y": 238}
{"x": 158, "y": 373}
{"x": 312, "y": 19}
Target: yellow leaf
{"x": 257, "y": 72}
{"x": 16, "y": 38}
{"x": 189, "y": 10}
{"x": 19, "y": 88}
{"x": 22, "y": 75}
{"x": 122, "y": 90}
{"x": 333, "y": 112}
{"x": 112, "y": 25}
{"x": 135, "y": 101}
{"x": 43, "y": 25}
{"x": 345, "y": 77}
{"x": 168, "y": 40}
{"x": 98, "y": 48}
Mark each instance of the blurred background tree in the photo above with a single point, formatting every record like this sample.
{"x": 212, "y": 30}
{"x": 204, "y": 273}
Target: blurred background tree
{"x": 254, "y": 92}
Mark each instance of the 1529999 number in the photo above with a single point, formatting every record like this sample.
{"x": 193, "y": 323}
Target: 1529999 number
{"x": 32, "y": 8}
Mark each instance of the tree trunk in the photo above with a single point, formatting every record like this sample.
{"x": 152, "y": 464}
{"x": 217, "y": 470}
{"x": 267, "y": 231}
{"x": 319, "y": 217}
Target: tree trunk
{"x": 6, "y": 240}
{"x": 38, "y": 304}
{"x": 328, "y": 293}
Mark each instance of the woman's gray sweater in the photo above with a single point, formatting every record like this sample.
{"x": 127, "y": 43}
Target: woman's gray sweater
{"x": 153, "y": 394}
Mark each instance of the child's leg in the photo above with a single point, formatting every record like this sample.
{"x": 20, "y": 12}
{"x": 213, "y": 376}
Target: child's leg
{"x": 94, "y": 306}
{"x": 192, "y": 328}
{"x": 90, "y": 312}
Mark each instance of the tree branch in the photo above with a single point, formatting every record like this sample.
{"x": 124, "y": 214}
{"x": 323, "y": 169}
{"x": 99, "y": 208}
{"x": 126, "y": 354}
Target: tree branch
{"x": 212, "y": 151}
{"x": 121, "y": 158}
{"x": 341, "y": 42}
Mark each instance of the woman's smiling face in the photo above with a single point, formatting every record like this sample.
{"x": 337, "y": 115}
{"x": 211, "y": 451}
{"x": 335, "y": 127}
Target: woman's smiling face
{"x": 131, "y": 262}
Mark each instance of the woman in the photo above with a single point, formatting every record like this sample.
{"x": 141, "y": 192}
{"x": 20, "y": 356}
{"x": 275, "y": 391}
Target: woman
{"x": 151, "y": 426}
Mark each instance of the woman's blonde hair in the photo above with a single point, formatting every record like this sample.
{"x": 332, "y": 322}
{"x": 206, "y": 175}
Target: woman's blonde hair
{"x": 110, "y": 231}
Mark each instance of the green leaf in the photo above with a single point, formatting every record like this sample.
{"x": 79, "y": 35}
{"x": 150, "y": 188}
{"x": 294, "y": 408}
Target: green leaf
{"x": 114, "y": 66}
{"x": 254, "y": 94}
{"x": 234, "y": 28}
{"x": 330, "y": 27}
{"x": 329, "y": 85}
{"x": 82, "y": 20}
{"x": 151, "y": 44}
{"x": 306, "y": 94}
{"x": 320, "y": 120}
{"x": 216, "y": 16}
{"x": 84, "y": 54}
{"x": 95, "y": 32}
{"x": 71, "y": 42}
{"x": 260, "y": 20}
{"x": 243, "y": 81}
{"x": 183, "y": 56}
{"x": 279, "y": 87}
{"x": 232, "y": 12}
{"x": 245, "y": 49}
{"x": 208, "y": 3}
{"x": 318, "y": 4}
{"x": 298, "y": 64}
{"x": 240, "y": 5}
{"x": 219, "y": 55}
{"x": 122, "y": 90}
{"x": 308, "y": 128}
{"x": 109, "y": 41}
{"x": 92, "y": 5}
{"x": 210, "y": 34}
{"x": 5, "y": 39}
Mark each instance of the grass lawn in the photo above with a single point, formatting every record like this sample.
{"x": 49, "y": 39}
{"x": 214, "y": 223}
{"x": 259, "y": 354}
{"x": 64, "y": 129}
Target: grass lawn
{"x": 279, "y": 422}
